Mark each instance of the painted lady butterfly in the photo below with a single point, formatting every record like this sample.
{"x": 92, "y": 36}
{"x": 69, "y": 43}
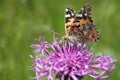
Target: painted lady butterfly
{"x": 80, "y": 27}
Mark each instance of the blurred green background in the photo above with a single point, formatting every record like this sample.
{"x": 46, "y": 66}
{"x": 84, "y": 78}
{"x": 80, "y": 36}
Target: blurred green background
{"x": 21, "y": 21}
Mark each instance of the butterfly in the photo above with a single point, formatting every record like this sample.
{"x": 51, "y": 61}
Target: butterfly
{"x": 79, "y": 26}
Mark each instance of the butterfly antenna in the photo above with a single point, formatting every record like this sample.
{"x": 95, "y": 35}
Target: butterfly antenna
{"x": 53, "y": 31}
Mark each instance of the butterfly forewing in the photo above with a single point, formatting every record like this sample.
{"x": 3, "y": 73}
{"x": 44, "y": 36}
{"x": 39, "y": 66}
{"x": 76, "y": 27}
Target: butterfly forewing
{"x": 82, "y": 27}
{"x": 69, "y": 18}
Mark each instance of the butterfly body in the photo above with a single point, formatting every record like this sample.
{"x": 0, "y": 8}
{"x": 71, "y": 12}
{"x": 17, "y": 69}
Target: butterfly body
{"x": 80, "y": 26}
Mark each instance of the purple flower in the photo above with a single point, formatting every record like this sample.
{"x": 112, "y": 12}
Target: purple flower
{"x": 71, "y": 59}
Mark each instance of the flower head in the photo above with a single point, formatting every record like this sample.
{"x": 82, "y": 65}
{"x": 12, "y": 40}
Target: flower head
{"x": 71, "y": 59}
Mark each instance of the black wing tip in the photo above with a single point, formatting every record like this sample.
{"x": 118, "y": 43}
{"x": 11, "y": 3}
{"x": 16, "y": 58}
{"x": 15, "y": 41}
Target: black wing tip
{"x": 69, "y": 6}
{"x": 86, "y": 7}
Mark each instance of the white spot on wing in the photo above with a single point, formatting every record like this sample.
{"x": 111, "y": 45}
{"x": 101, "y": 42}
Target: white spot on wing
{"x": 67, "y": 15}
{"x": 85, "y": 14}
{"x": 72, "y": 14}
{"x": 79, "y": 15}
{"x": 66, "y": 9}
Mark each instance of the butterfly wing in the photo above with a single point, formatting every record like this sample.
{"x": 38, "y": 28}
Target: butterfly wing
{"x": 82, "y": 27}
{"x": 69, "y": 18}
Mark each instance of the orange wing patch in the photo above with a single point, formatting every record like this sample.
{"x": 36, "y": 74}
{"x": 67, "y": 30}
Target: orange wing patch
{"x": 68, "y": 24}
{"x": 84, "y": 21}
